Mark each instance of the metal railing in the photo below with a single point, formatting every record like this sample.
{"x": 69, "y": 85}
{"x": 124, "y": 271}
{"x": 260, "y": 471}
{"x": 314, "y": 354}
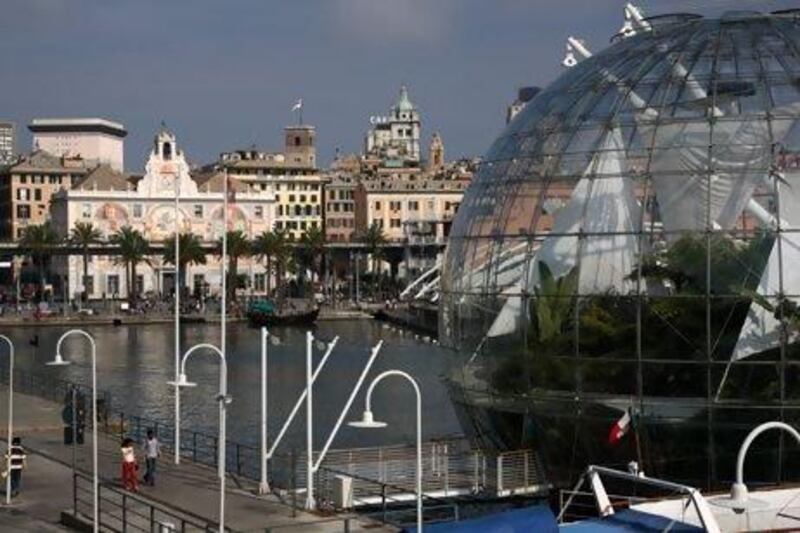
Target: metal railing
{"x": 122, "y": 511}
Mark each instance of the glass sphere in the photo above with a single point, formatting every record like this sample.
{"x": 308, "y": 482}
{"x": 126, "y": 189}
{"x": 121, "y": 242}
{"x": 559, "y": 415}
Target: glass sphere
{"x": 631, "y": 243}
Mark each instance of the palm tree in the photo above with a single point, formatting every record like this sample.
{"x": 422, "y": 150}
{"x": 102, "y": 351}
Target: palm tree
{"x": 374, "y": 239}
{"x": 39, "y": 240}
{"x": 84, "y": 234}
{"x": 312, "y": 250}
{"x": 270, "y": 246}
{"x": 133, "y": 249}
{"x": 237, "y": 246}
{"x": 191, "y": 252}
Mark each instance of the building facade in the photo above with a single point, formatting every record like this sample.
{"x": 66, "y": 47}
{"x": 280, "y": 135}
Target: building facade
{"x": 291, "y": 174}
{"x": 395, "y": 138}
{"x": 109, "y": 201}
{"x": 95, "y": 140}
{"x": 8, "y": 143}
{"x": 340, "y": 208}
{"x": 27, "y": 186}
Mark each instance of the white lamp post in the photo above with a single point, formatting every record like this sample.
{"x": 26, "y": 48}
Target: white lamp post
{"x": 60, "y": 361}
{"x": 177, "y": 323}
{"x": 263, "y": 487}
{"x": 368, "y": 421}
{"x": 10, "y": 414}
{"x": 739, "y": 499}
{"x": 223, "y": 400}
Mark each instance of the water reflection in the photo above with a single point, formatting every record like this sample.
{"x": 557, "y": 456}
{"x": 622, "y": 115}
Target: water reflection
{"x": 135, "y": 362}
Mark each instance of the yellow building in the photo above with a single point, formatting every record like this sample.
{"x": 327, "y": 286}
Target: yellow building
{"x": 292, "y": 174}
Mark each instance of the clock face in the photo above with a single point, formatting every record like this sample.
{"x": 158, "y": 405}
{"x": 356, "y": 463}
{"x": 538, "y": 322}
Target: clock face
{"x": 168, "y": 182}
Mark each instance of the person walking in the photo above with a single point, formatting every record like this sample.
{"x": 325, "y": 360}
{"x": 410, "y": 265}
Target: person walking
{"x": 18, "y": 462}
{"x": 152, "y": 451}
{"x": 130, "y": 479}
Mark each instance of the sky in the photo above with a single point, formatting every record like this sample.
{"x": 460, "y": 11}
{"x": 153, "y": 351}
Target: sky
{"x": 224, "y": 74}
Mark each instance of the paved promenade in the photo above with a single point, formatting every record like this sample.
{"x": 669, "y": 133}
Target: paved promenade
{"x": 47, "y": 483}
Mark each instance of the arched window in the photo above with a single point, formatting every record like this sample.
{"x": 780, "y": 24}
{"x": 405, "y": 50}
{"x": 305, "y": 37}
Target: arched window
{"x": 308, "y": 210}
{"x": 297, "y": 141}
{"x": 298, "y": 210}
{"x": 167, "y": 151}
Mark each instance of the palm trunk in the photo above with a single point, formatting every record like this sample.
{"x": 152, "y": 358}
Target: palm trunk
{"x": 128, "y": 279}
{"x": 132, "y": 294}
{"x": 269, "y": 275}
{"x": 85, "y": 273}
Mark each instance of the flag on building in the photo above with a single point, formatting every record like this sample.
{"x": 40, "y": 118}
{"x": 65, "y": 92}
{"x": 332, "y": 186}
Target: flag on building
{"x": 298, "y": 105}
{"x": 621, "y": 427}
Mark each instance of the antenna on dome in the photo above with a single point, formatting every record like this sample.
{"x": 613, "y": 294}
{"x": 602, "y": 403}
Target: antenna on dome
{"x": 575, "y": 46}
{"x": 634, "y": 21}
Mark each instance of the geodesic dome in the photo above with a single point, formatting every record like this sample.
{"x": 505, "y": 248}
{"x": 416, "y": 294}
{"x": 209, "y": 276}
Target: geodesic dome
{"x": 632, "y": 240}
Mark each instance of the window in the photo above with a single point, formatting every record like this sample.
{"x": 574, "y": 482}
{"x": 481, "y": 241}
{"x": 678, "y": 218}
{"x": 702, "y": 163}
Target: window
{"x": 259, "y": 211}
{"x": 88, "y": 285}
{"x": 37, "y": 195}
{"x": 332, "y": 195}
{"x": 377, "y": 206}
{"x": 23, "y": 194}
{"x": 394, "y": 206}
{"x": 24, "y": 211}
{"x": 198, "y": 211}
{"x": 394, "y": 223}
{"x": 291, "y": 197}
{"x": 303, "y": 225}
{"x": 199, "y": 282}
{"x": 279, "y": 225}
{"x": 303, "y": 198}
{"x": 336, "y": 207}
{"x": 112, "y": 284}
{"x": 139, "y": 283}
{"x": 260, "y": 282}
{"x": 23, "y": 179}
{"x": 297, "y": 141}
{"x": 86, "y": 211}
{"x": 413, "y": 205}
{"x": 308, "y": 210}
{"x": 313, "y": 199}
{"x": 430, "y": 205}
{"x": 313, "y": 223}
{"x": 280, "y": 210}
{"x": 298, "y": 211}
{"x": 53, "y": 180}
{"x": 137, "y": 210}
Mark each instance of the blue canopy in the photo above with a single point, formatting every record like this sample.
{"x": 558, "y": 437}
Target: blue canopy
{"x": 525, "y": 520}
{"x": 631, "y": 521}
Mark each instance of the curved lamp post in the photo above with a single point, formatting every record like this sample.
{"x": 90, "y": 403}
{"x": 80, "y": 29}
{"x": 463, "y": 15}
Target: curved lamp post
{"x": 223, "y": 400}
{"x": 10, "y": 414}
{"x": 739, "y": 499}
{"x": 368, "y": 421}
{"x": 60, "y": 361}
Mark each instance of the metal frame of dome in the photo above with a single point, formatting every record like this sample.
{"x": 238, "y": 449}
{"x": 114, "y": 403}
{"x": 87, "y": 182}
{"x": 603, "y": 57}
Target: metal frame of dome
{"x": 625, "y": 247}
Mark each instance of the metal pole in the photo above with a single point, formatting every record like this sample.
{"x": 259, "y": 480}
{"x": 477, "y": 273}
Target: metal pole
{"x": 74, "y": 428}
{"x": 223, "y": 389}
{"x": 223, "y": 259}
{"x": 96, "y": 477}
{"x": 10, "y": 414}
{"x": 310, "y": 504}
{"x": 177, "y": 327}
{"x": 263, "y": 487}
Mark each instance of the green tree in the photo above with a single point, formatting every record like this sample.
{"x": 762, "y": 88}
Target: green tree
{"x": 238, "y": 246}
{"x": 312, "y": 250}
{"x": 133, "y": 249}
{"x": 374, "y": 239}
{"x": 84, "y": 234}
{"x": 190, "y": 252}
{"x": 39, "y": 241}
{"x": 270, "y": 246}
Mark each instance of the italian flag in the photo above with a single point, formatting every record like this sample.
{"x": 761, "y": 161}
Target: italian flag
{"x": 620, "y": 427}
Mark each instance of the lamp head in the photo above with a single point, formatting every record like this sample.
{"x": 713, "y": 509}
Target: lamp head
{"x": 367, "y": 421}
{"x": 183, "y": 381}
{"x": 58, "y": 361}
{"x": 227, "y": 398}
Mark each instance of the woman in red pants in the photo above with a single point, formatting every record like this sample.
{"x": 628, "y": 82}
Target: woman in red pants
{"x": 130, "y": 478}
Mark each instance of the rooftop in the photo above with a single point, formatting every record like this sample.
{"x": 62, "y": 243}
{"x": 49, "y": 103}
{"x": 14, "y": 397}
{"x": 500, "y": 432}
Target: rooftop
{"x": 94, "y": 125}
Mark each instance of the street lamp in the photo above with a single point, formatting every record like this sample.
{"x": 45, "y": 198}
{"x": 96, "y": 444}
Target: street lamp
{"x": 10, "y": 414}
{"x": 60, "y": 361}
{"x": 177, "y": 263}
{"x": 739, "y": 499}
{"x": 368, "y": 421}
{"x": 263, "y": 487}
{"x": 223, "y": 400}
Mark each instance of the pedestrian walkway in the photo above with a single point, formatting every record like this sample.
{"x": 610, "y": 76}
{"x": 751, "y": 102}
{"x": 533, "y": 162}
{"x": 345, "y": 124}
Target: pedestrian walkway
{"x": 189, "y": 487}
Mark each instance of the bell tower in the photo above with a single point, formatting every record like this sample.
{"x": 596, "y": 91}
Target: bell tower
{"x": 436, "y": 154}
{"x": 300, "y": 148}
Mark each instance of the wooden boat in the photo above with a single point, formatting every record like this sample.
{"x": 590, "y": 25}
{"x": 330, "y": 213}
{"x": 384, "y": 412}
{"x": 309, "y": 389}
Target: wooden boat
{"x": 265, "y": 313}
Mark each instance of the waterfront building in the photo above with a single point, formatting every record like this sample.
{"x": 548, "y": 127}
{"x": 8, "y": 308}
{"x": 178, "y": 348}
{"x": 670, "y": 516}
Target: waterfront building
{"x": 95, "y": 140}
{"x": 629, "y": 245}
{"x": 395, "y": 138}
{"x": 340, "y": 208}
{"x": 8, "y": 143}
{"x": 292, "y": 174}
{"x": 27, "y": 185}
{"x": 110, "y": 201}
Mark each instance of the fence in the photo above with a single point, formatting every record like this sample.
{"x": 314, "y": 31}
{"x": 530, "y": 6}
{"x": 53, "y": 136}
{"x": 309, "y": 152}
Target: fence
{"x": 122, "y": 511}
